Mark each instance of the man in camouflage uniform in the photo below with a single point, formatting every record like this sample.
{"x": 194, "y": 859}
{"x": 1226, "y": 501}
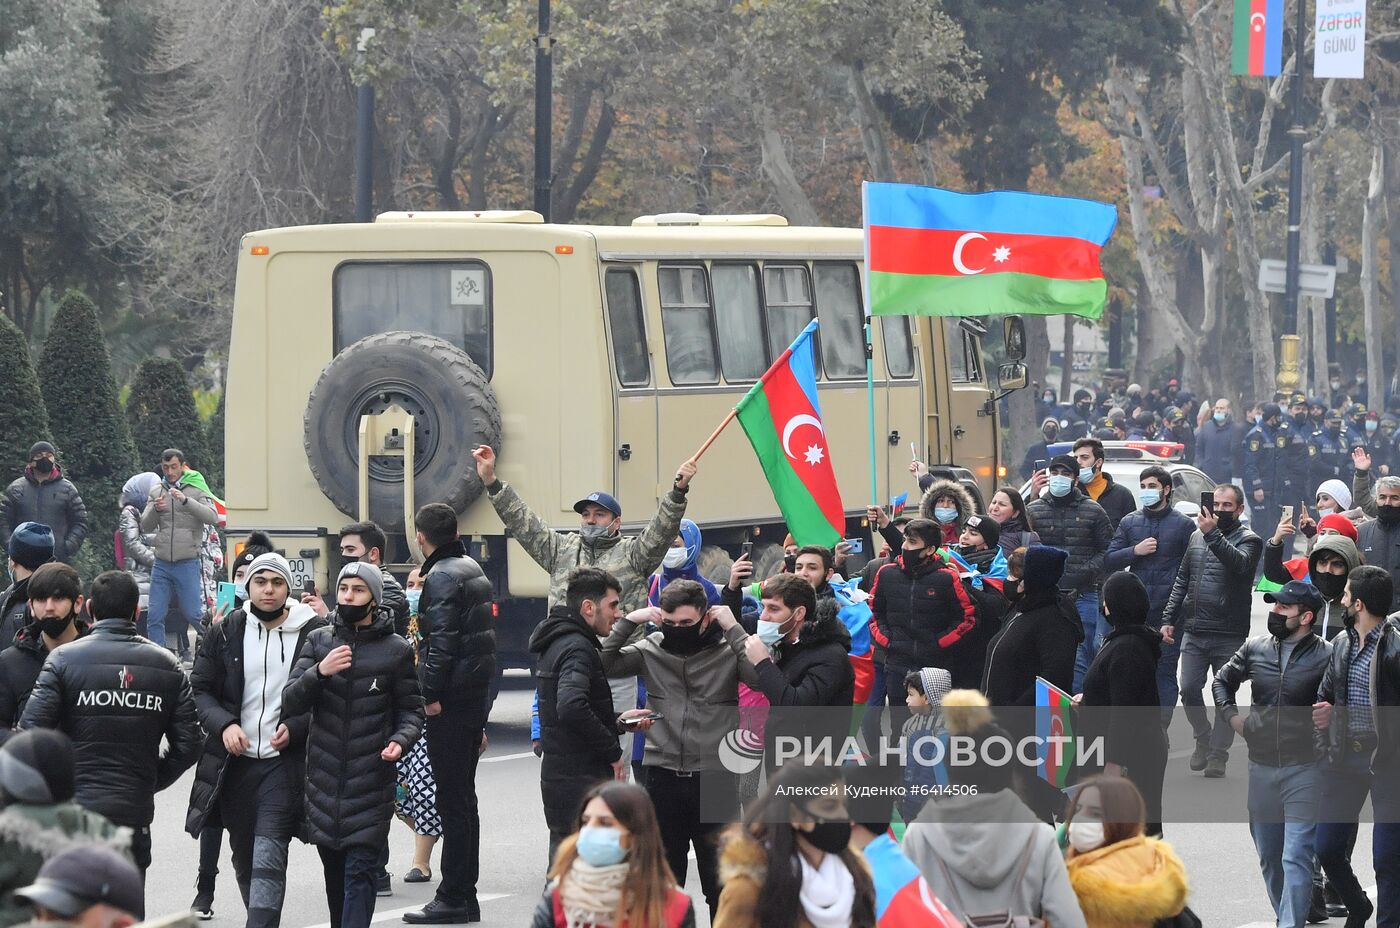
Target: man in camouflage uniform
{"x": 1265, "y": 485}
{"x": 599, "y": 543}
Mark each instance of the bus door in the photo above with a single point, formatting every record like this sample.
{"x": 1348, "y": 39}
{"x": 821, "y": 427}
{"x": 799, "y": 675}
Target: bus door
{"x": 634, "y": 389}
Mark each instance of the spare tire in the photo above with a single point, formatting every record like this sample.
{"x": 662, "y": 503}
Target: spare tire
{"x": 452, "y": 404}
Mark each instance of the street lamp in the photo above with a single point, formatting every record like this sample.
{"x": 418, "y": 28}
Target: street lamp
{"x": 364, "y": 138}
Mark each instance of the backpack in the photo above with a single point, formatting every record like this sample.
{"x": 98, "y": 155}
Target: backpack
{"x": 994, "y": 919}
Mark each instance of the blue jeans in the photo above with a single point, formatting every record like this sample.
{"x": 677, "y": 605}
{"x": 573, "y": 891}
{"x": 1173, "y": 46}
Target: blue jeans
{"x": 1167, "y": 687}
{"x": 1282, "y": 805}
{"x": 1095, "y": 628}
{"x": 176, "y": 581}
{"x": 1347, "y": 783}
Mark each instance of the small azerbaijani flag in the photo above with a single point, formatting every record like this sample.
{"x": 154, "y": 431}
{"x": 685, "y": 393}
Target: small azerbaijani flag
{"x": 783, "y": 420}
{"x": 932, "y": 252}
{"x": 1053, "y": 719}
{"x": 1258, "y": 40}
{"x": 898, "y": 503}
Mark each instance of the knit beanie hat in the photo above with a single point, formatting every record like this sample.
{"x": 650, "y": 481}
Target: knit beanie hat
{"x": 1338, "y": 491}
{"x": 1340, "y": 524}
{"x": 369, "y": 574}
{"x": 1044, "y": 568}
{"x": 987, "y": 527}
{"x": 41, "y": 447}
{"x": 36, "y": 767}
{"x": 271, "y": 561}
{"x": 1125, "y": 599}
{"x": 31, "y": 545}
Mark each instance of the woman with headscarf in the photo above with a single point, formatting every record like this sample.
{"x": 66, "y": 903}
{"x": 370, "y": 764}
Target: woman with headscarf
{"x": 680, "y": 564}
{"x": 1120, "y": 701}
{"x": 134, "y": 552}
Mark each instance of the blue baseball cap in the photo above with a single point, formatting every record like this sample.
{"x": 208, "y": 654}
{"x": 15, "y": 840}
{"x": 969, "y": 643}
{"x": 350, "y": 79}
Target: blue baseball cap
{"x": 600, "y": 498}
{"x": 1297, "y": 593}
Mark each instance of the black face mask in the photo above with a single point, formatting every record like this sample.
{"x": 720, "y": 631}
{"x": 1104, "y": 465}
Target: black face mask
{"x": 56, "y": 626}
{"x": 1335, "y": 431}
{"x": 1300, "y": 417}
{"x": 1227, "y": 521}
{"x": 1083, "y": 407}
{"x": 1278, "y": 626}
{"x": 686, "y": 639}
{"x": 43, "y": 466}
{"x": 912, "y": 558}
{"x": 1329, "y": 585}
{"x": 1388, "y": 515}
{"x": 830, "y": 837}
{"x": 352, "y": 614}
{"x": 262, "y": 616}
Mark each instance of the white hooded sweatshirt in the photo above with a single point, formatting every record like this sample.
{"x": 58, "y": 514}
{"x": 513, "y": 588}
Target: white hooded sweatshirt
{"x": 268, "y": 656}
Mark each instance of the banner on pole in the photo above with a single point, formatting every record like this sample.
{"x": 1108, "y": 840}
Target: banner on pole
{"x": 1339, "y": 39}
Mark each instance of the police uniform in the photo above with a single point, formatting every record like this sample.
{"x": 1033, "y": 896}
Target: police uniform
{"x": 1296, "y": 467}
{"x": 1263, "y": 454}
{"x": 1332, "y": 459}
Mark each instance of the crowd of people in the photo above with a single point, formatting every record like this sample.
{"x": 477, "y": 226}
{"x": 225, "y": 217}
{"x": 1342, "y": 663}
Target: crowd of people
{"x": 322, "y": 721}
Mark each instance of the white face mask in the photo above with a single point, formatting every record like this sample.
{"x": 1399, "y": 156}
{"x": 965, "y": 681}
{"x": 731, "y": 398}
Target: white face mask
{"x": 675, "y": 557}
{"x": 1085, "y": 836}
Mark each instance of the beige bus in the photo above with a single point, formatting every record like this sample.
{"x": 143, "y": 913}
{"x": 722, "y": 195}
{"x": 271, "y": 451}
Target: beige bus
{"x": 590, "y": 357}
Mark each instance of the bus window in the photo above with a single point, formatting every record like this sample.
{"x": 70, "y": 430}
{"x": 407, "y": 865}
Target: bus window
{"x": 628, "y": 334}
{"x": 788, "y": 294}
{"x": 838, "y": 306}
{"x": 899, "y": 348}
{"x": 449, "y": 299}
{"x": 738, "y": 323}
{"x": 964, "y": 365}
{"x": 687, "y": 325}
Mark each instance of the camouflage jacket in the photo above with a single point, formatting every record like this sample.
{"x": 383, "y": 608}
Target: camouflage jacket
{"x": 631, "y": 559}
{"x": 31, "y": 834}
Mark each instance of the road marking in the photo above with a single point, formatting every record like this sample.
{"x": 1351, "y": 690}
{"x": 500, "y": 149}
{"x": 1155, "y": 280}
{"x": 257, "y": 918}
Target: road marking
{"x": 1370, "y": 891}
{"x": 500, "y": 757}
{"x": 395, "y": 914}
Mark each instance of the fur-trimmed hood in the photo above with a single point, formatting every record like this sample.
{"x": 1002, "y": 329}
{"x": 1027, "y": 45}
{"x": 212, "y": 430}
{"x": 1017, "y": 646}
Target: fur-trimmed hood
{"x": 1129, "y": 884}
{"x": 966, "y": 507}
{"x": 741, "y": 857}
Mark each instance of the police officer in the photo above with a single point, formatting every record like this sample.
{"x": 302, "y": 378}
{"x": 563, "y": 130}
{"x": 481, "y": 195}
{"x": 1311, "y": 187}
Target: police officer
{"x": 1263, "y": 450}
{"x": 1299, "y": 453}
{"x": 1381, "y": 448}
{"x": 1077, "y": 421}
{"x": 1356, "y": 425}
{"x": 1333, "y": 457}
{"x": 1317, "y": 412}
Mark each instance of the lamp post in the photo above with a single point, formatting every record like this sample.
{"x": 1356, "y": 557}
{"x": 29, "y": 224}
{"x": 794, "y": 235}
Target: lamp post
{"x": 1289, "y": 377}
{"x": 364, "y": 139}
{"x": 544, "y": 112}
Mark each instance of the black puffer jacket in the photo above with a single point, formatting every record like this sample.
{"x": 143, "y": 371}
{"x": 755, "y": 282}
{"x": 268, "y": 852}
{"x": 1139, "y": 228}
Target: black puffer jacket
{"x": 19, "y": 668}
{"x": 919, "y": 618}
{"x": 354, "y": 715}
{"x": 1213, "y": 589}
{"x": 55, "y": 503}
{"x": 116, "y": 695}
{"x": 815, "y": 670}
{"x": 1080, "y": 527}
{"x": 1275, "y": 738}
{"x": 457, "y": 656}
{"x": 1157, "y": 570}
{"x": 14, "y": 603}
{"x": 1385, "y": 672}
{"x": 1116, "y": 500}
{"x": 396, "y": 602}
{"x": 1380, "y": 546}
{"x": 218, "y": 680}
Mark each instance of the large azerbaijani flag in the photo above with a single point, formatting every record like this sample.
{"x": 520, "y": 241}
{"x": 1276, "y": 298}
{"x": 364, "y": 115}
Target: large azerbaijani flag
{"x": 932, "y": 252}
{"x": 783, "y": 420}
{"x": 1053, "y": 718}
{"x": 1257, "y": 48}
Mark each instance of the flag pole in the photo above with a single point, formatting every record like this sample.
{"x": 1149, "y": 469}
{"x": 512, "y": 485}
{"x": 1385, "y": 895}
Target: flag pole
{"x": 778, "y": 362}
{"x": 869, "y": 348}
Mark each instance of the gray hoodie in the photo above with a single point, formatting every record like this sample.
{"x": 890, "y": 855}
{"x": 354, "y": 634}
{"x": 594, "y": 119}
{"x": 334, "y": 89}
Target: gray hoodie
{"x": 979, "y": 840}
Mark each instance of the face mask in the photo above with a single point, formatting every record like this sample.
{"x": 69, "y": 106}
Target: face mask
{"x": 352, "y": 614}
{"x": 1335, "y": 431}
{"x": 595, "y": 532}
{"x": 1047, "y": 398}
{"x": 913, "y": 557}
{"x": 1227, "y": 521}
{"x": 1389, "y": 515}
{"x": 944, "y": 514}
{"x": 601, "y": 847}
{"x": 272, "y": 616}
{"x": 43, "y": 466}
{"x": 1336, "y": 385}
{"x": 1360, "y": 381}
{"x": 829, "y": 837}
{"x": 675, "y": 557}
{"x": 1300, "y": 417}
{"x": 1085, "y": 836}
{"x": 790, "y": 563}
{"x": 1372, "y": 426}
{"x": 682, "y": 639}
{"x": 1050, "y": 434}
{"x": 1220, "y": 417}
{"x": 1149, "y": 498}
{"x": 770, "y": 633}
{"x": 1060, "y": 485}
{"x": 1086, "y": 474}
{"x": 413, "y": 596}
{"x": 55, "y": 627}
{"x": 1330, "y": 586}
{"x": 240, "y": 592}
{"x": 1082, "y": 407}
{"x": 1278, "y": 626}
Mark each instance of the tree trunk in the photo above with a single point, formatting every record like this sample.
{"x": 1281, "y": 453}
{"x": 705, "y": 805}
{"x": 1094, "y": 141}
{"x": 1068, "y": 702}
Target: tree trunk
{"x": 1392, "y": 185}
{"x": 1370, "y": 265}
{"x": 566, "y": 206}
{"x": 1312, "y": 320}
{"x": 795, "y": 202}
{"x": 872, "y": 134}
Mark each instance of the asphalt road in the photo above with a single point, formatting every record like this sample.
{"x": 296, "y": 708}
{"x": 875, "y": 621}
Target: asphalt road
{"x": 1226, "y": 888}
